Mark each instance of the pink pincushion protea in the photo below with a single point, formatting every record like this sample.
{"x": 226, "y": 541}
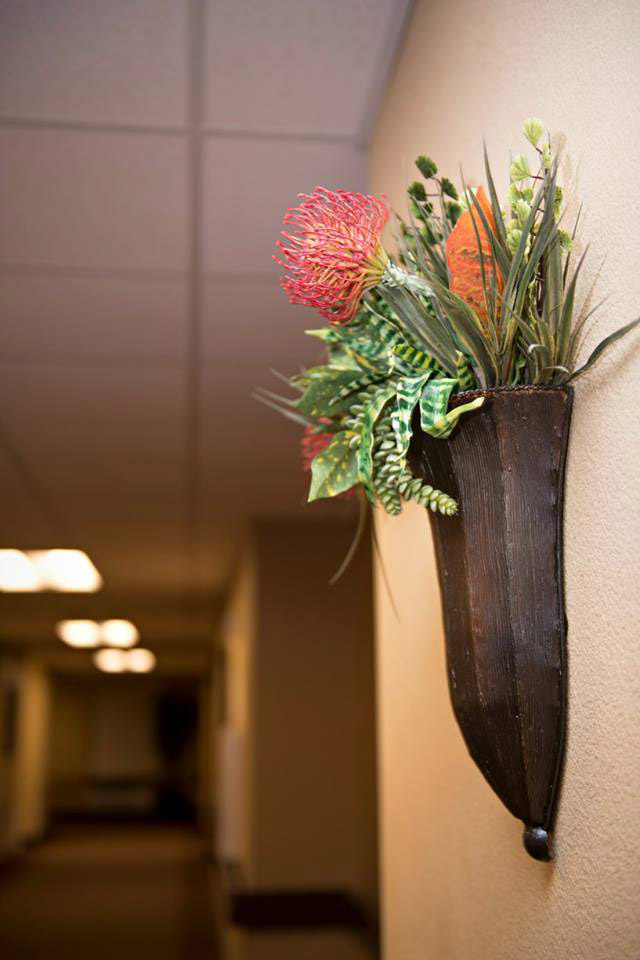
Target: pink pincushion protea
{"x": 312, "y": 444}
{"x": 335, "y": 255}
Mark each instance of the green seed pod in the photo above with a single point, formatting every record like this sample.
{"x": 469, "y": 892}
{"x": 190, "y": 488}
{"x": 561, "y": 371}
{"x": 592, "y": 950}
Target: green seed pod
{"x": 417, "y": 191}
{"x": 533, "y": 130}
{"x": 520, "y": 169}
{"x": 426, "y": 166}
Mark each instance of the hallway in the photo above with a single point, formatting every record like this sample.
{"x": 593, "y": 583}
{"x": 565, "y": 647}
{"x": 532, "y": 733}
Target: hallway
{"x": 107, "y": 891}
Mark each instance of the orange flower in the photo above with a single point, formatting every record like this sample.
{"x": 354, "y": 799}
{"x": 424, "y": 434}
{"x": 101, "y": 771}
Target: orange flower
{"x": 463, "y": 258}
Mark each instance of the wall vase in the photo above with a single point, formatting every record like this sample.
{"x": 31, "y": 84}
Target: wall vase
{"x": 500, "y": 565}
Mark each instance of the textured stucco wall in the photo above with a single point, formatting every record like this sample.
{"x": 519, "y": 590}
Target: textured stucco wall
{"x": 456, "y": 882}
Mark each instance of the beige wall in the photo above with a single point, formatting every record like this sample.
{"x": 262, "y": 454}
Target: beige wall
{"x": 29, "y": 803}
{"x": 456, "y": 882}
{"x": 300, "y": 693}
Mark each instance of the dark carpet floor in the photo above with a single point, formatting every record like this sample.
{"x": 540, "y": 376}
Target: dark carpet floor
{"x": 92, "y": 893}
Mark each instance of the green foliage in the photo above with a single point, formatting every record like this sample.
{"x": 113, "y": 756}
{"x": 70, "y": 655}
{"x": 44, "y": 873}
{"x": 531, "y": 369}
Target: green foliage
{"x": 335, "y": 469}
{"x": 531, "y": 334}
{"x": 427, "y": 167}
{"x": 395, "y": 483}
{"x": 435, "y": 419}
{"x": 415, "y": 342}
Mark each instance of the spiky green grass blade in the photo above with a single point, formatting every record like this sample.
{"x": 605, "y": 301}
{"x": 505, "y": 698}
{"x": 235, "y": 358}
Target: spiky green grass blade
{"x": 604, "y": 345}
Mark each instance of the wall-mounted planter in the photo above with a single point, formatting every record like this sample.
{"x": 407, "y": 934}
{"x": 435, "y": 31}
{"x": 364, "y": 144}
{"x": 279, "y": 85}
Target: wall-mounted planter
{"x": 500, "y": 564}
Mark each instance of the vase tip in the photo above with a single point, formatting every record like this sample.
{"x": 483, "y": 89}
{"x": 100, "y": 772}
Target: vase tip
{"x": 537, "y": 843}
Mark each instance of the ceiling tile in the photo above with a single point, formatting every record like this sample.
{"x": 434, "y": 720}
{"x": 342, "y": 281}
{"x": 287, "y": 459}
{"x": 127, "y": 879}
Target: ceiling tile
{"x": 250, "y": 322}
{"x": 250, "y": 453}
{"x": 296, "y": 65}
{"x": 71, "y": 320}
{"x": 116, "y": 414}
{"x": 249, "y": 186}
{"x": 101, "y": 442}
{"x": 92, "y": 200}
{"x": 96, "y": 61}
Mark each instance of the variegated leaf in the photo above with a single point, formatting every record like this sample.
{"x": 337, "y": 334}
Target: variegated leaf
{"x": 368, "y": 419}
{"x": 408, "y": 392}
{"x": 466, "y": 379}
{"x": 434, "y": 417}
{"x": 334, "y": 469}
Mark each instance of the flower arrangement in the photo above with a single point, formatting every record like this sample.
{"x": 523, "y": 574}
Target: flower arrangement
{"x": 479, "y": 295}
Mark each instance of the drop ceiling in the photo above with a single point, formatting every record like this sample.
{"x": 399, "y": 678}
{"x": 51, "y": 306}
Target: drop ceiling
{"x": 147, "y": 153}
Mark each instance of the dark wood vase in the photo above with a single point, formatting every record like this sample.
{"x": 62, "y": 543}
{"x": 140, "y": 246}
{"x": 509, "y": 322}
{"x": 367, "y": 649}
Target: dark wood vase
{"x": 500, "y": 564}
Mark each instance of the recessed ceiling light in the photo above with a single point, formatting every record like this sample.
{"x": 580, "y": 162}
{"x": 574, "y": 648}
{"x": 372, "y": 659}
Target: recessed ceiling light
{"x": 110, "y": 661}
{"x": 119, "y": 633}
{"x": 140, "y": 660}
{"x": 82, "y": 634}
{"x": 68, "y": 571}
{"x": 18, "y": 574}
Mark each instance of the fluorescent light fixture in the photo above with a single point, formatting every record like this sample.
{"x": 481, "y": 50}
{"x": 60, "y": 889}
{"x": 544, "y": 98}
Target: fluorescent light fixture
{"x": 68, "y": 571}
{"x": 140, "y": 660}
{"x": 82, "y": 634}
{"x": 110, "y": 661}
{"x": 119, "y": 633}
{"x": 18, "y": 574}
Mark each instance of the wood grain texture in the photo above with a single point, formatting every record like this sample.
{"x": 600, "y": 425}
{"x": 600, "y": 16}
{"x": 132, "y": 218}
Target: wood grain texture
{"x": 501, "y": 579}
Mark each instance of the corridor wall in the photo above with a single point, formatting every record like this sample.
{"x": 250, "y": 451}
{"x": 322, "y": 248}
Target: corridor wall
{"x": 299, "y": 697}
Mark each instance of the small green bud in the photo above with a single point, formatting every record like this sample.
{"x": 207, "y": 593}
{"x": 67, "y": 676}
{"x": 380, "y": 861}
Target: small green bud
{"x": 557, "y": 203}
{"x": 533, "y": 130}
{"x": 519, "y": 168}
{"x": 514, "y": 194}
{"x": 546, "y": 156}
{"x": 454, "y": 210}
{"x": 514, "y": 235}
{"x": 417, "y": 191}
{"x": 521, "y": 209}
{"x": 448, "y": 188}
{"x": 565, "y": 240}
{"x": 426, "y": 166}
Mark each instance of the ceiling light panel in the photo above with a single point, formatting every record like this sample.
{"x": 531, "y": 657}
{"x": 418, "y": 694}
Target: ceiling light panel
{"x": 66, "y": 571}
{"x": 141, "y": 660}
{"x": 81, "y": 634}
{"x": 119, "y": 633}
{"x": 18, "y": 574}
{"x": 110, "y": 661}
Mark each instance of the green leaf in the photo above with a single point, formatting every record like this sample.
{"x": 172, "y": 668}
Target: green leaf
{"x": 331, "y": 391}
{"x": 433, "y": 405}
{"x": 335, "y": 469}
{"x": 281, "y": 405}
{"x": 423, "y": 329}
{"x": 563, "y": 337}
{"x": 466, "y": 379}
{"x": 413, "y": 361}
{"x": 434, "y": 417}
{"x": 368, "y": 419}
{"x": 407, "y": 396}
{"x": 602, "y": 346}
{"x": 470, "y": 336}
